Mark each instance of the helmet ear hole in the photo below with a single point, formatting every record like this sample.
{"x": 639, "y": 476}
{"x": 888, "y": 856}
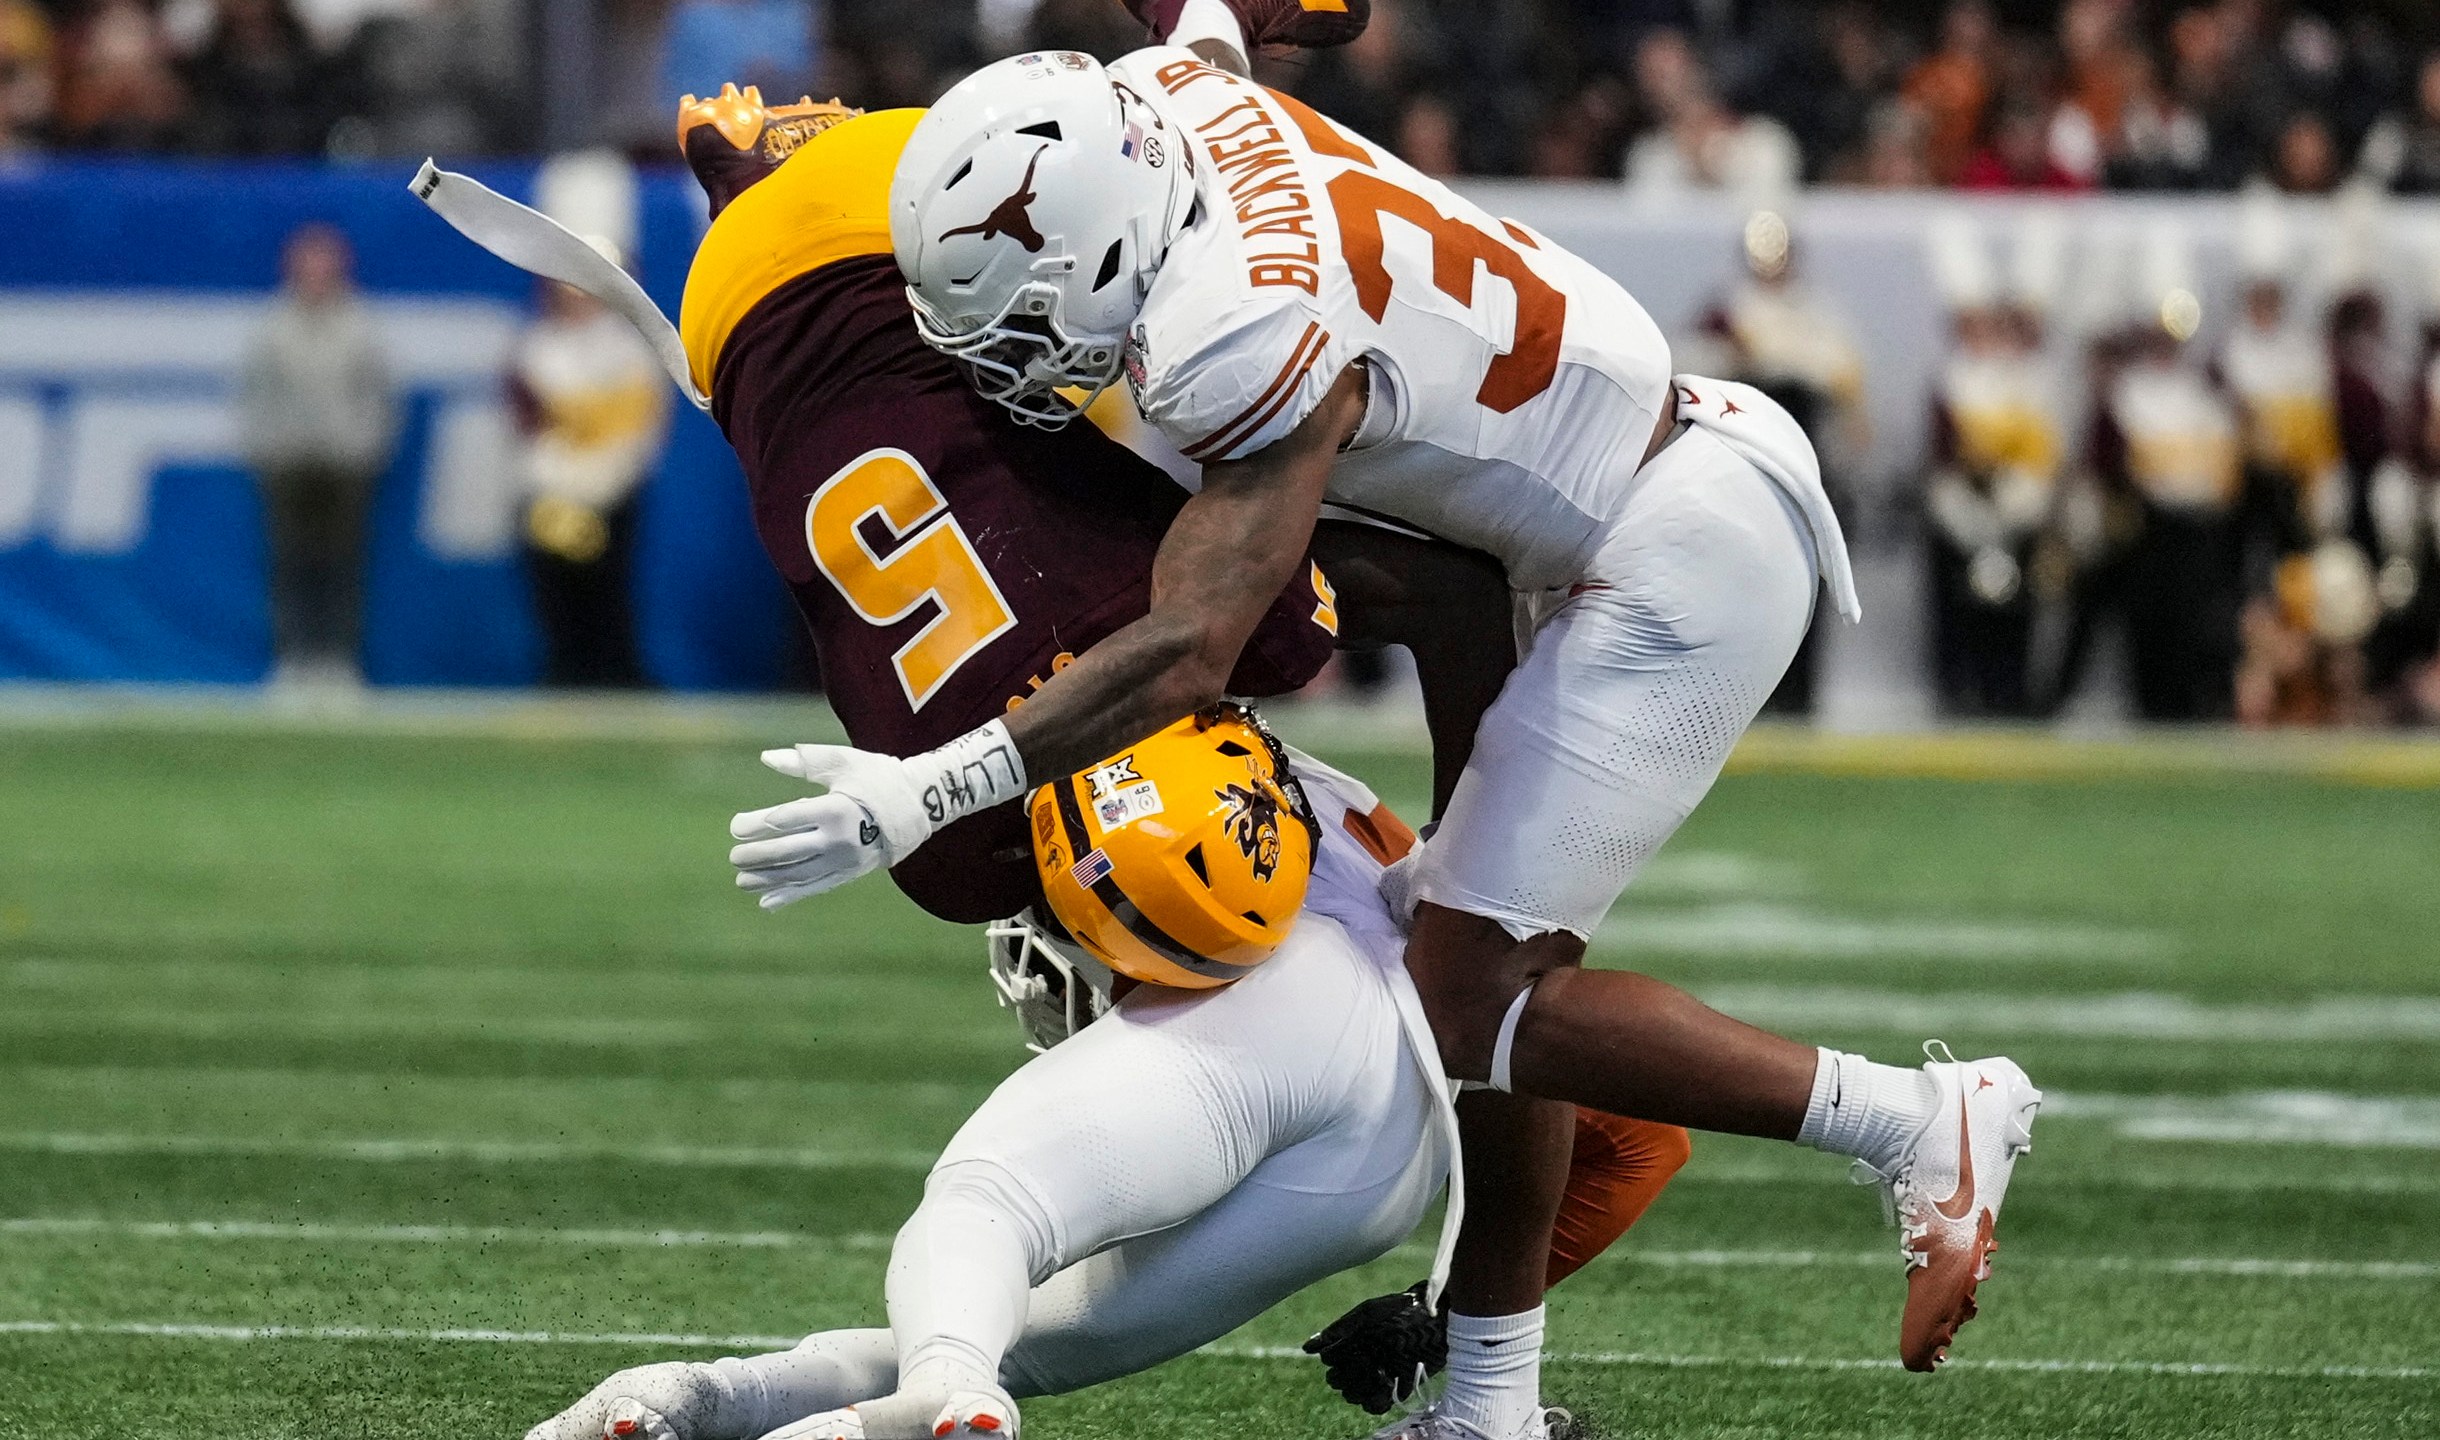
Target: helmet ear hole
{"x": 1109, "y": 266}
{"x": 1196, "y": 863}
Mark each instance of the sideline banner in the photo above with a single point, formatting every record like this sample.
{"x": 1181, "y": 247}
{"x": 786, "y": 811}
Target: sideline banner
{"x": 131, "y": 538}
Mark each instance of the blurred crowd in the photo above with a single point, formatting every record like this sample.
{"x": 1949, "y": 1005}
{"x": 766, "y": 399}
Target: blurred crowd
{"x": 1750, "y": 95}
{"x": 2247, "y": 516}
{"x": 318, "y": 422}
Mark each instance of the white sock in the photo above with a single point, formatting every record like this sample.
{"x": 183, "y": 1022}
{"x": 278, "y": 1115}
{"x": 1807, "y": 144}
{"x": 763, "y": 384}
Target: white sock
{"x": 824, "y": 1372}
{"x": 1208, "y": 20}
{"x": 1866, "y": 1111}
{"x": 1495, "y": 1370}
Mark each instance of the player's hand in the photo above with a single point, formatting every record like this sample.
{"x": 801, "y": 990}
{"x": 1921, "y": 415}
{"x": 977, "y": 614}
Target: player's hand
{"x": 1382, "y": 1351}
{"x": 872, "y": 816}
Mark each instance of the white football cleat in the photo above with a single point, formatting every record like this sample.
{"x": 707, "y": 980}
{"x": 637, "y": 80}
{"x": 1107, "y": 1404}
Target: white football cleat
{"x": 1945, "y": 1194}
{"x": 977, "y": 1412}
{"x": 973, "y": 1412}
{"x": 1430, "y": 1424}
{"x": 674, "y": 1400}
{"x": 843, "y": 1424}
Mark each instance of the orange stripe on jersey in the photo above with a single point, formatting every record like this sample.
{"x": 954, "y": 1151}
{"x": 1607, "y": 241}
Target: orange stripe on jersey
{"x": 1383, "y": 835}
{"x": 1324, "y": 137}
{"x": 1281, "y": 389}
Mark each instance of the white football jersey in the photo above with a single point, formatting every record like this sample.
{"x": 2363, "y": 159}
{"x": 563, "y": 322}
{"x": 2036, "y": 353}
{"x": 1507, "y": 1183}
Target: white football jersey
{"x": 1515, "y": 385}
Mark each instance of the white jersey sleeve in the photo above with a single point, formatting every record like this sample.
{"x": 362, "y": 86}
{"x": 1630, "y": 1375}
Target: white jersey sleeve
{"x": 1227, "y": 393}
{"x": 1514, "y": 389}
{"x": 1234, "y": 348}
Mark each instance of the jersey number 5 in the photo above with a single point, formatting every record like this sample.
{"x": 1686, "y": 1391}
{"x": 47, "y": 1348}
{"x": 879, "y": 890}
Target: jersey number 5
{"x": 929, "y": 559}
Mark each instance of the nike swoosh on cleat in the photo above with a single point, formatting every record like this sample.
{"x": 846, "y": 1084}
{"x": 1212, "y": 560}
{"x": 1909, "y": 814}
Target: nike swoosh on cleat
{"x": 1961, "y": 1199}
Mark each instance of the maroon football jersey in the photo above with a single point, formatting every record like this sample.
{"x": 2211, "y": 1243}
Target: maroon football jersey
{"x": 948, "y": 560}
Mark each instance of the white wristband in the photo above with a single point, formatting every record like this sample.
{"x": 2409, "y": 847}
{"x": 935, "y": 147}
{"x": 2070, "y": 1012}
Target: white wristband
{"x": 976, "y": 771}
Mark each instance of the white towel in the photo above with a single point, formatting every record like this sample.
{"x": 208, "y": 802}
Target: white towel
{"x": 534, "y": 242}
{"x": 1762, "y": 431}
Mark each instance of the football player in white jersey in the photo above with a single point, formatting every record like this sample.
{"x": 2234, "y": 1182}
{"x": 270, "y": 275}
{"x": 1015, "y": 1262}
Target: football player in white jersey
{"x": 1318, "y": 324}
{"x": 1168, "y": 1171}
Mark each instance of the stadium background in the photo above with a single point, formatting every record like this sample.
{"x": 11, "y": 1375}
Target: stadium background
{"x": 399, "y": 1059}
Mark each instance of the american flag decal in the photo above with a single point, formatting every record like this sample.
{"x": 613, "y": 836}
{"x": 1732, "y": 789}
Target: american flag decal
{"x": 1135, "y": 137}
{"x": 1091, "y": 870}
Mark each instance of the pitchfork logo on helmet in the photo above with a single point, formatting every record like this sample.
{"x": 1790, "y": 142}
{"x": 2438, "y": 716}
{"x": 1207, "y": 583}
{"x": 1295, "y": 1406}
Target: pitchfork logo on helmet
{"x": 1253, "y": 822}
{"x": 1029, "y": 213}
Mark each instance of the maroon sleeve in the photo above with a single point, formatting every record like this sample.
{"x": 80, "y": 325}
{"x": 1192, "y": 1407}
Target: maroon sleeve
{"x": 1293, "y": 641}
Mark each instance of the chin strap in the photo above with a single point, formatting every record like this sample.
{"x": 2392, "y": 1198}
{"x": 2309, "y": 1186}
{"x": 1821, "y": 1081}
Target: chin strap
{"x": 534, "y": 242}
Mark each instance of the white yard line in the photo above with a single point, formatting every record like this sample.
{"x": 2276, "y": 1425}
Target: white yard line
{"x": 1806, "y": 933}
{"x": 1662, "y": 1360}
{"x": 392, "y": 1151}
{"x": 326, "y": 1232}
{"x": 1649, "y": 1359}
{"x": 2290, "y": 1118}
{"x": 2131, "y": 1014}
{"x": 2265, "y": 1117}
{"x": 169, "y": 1330}
{"x": 876, "y": 1241}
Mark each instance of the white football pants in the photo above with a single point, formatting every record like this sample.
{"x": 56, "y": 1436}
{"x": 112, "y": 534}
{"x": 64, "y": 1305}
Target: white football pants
{"x": 1180, "y": 1166}
{"x": 1636, "y": 686}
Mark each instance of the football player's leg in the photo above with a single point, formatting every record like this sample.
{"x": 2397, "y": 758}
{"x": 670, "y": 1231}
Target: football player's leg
{"x": 1334, "y": 1200}
{"x": 1516, "y": 1156}
{"x": 1617, "y": 1169}
{"x": 1141, "y": 1122}
{"x": 736, "y": 1398}
{"x": 1609, "y": 733}
{"x": 1616, "y": 724}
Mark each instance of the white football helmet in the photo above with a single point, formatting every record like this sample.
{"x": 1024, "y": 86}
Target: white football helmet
{"x": 1030, "y": 211}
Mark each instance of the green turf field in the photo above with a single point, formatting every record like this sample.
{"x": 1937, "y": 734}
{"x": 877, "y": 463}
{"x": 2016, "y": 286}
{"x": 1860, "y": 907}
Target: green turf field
{"x": 356, "y": 1082}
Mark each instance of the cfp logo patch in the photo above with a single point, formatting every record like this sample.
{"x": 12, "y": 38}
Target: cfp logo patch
{"x": 1253, "y": 822}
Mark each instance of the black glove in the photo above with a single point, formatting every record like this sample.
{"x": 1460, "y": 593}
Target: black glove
{"x": 1379, "y": 1353}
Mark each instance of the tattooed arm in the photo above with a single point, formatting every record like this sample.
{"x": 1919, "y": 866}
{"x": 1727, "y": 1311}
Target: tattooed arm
{"x": 1227, "y": 555}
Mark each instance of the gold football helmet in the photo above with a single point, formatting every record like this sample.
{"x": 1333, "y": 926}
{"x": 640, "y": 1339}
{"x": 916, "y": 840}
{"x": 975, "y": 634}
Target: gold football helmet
{"x": 1183, "y": 860}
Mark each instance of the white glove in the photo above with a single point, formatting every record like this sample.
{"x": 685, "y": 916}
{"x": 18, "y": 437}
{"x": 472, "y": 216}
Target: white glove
{"x": 873, "y": 816}
{"x": 879, "y": 809}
